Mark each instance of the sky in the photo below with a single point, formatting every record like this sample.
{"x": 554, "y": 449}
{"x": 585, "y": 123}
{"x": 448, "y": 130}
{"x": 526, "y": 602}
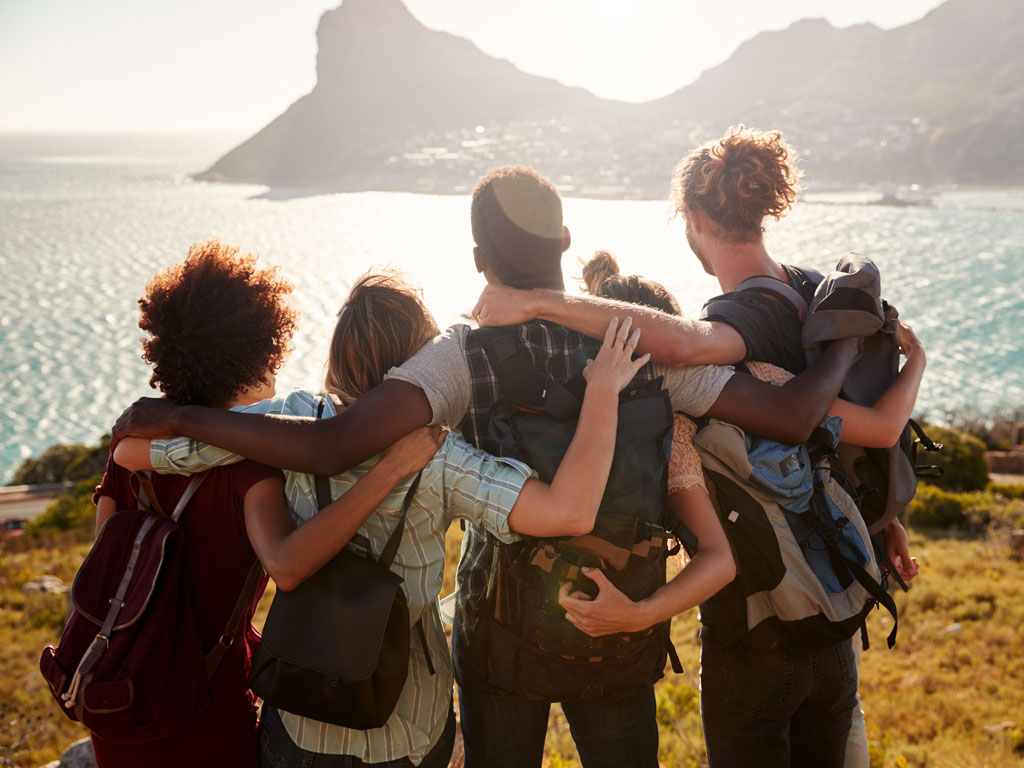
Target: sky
{"x": 230, "y": 66}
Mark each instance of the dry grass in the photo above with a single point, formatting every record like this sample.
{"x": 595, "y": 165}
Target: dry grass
{"x": 943, "y": 698}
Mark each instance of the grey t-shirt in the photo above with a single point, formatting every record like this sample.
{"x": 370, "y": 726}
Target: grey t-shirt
{"x": 440, "y": 369}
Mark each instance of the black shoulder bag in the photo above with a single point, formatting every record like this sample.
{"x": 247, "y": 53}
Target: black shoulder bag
{"x": 336, "y": 648}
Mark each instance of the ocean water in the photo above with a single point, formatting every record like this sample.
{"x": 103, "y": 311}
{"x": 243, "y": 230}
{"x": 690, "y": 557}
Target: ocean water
{"x": 85, "y": 221}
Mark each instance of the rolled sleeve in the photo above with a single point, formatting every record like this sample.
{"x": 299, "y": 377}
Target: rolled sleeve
{"x": 694, "y": 388}
{"x": 441, "y": 371}
{"x": 185, "y": 456}
{"x": 482, "y": 488}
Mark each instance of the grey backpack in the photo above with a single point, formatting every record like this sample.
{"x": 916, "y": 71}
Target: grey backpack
{"x": 847, "y": 302}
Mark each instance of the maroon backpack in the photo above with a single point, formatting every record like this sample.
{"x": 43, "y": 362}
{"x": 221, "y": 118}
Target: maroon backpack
{"x": 130, "y": 664}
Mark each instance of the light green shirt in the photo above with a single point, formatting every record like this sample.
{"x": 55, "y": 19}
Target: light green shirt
{"x": 459, "y": 482}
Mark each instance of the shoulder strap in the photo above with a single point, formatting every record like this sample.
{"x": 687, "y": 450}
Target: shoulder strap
{"x": 517, "y": 377}
{"x": 387, "y": 554}
{"x": 779, "y": 288}
{"x": 186, "y": 497}
{"x": 323, "y": 489}
{"x": 146, "y": 497}
{"x": 323, "y": 483}
{"x": 227, "y": 637}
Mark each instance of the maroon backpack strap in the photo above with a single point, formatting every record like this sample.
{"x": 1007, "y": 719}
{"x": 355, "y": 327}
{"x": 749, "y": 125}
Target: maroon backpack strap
{"x": 186, "y": 497}
{"x": 227, "y": 637}
{"x": 101, "y": 642}
{"x": 147, "y": 498}
{"x": 145, "y": 495}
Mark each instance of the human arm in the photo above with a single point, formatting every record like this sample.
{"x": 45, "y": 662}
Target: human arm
{"x": 881, "y": 425}
{"x": 789, "y": 413}
{"x": 185, "y": 456}
{"x": 315, "y": 446}
{"x": 568, "y": 506}
{"x": 290, "y": 554}
{"x": 897, "y": 547}
{"x": 105, "y": 509}
{"x": 711, "y": 568}
{"x": 132, "y": 453}
{"x": 672, "y": 340}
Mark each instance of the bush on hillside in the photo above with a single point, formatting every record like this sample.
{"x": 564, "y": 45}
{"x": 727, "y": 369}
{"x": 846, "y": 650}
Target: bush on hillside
{"x": 962, "y": 460}
{"x": 71, "y": 511}
{"x": 1009, "y": 490}
{"x": 63, "y": 462}
{"x": 973, "y": 511}
{"x": 932, "y": 507}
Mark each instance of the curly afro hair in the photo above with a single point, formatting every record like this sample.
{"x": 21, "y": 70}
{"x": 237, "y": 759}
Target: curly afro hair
{"x": 217, "y": 325}
{"x": 737, "y": 180}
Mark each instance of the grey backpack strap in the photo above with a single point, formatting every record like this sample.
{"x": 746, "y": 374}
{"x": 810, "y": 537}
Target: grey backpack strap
{"x": 779, "y": 288}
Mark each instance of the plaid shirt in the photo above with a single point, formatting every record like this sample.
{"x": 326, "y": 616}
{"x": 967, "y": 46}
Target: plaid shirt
{"x": 455, "y": 374}
{"x": 558, "y": 353}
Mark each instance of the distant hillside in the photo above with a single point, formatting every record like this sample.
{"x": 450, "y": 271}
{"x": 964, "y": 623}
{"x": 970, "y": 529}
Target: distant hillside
{"x": 941, "y": 99}
{"x": 399, "y": 106}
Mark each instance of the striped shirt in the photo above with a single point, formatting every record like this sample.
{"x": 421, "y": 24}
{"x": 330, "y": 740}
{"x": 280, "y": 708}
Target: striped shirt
{"x": 459, "y": 482}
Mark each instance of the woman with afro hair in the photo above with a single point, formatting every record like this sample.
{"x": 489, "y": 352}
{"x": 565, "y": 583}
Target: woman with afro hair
{"x": 218, "y": 330}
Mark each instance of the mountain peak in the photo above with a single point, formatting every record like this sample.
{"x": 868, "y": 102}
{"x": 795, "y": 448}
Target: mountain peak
{"x": 398, "y": 105}
{"x": 381, "y": 12}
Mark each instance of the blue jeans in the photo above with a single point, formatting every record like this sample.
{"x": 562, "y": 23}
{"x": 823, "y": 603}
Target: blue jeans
{"x": 502, "y": 730}
{"x": 776, "y": 708}
{"x": 277, "y": 750}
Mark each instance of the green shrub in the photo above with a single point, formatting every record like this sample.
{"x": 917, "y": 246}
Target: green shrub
{"x": 932, "y": 507}
{"x": 974, "y": 511}
{"x": 64, "y": 462}
{"x": 70, "y": 511}
{"x": 1009, "y": 490}
{"x": 962, "y": 459}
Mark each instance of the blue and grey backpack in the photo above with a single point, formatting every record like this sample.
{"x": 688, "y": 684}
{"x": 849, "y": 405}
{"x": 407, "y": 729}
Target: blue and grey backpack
{"x": 806, "y": 521}
{"x": 806, "y": 568}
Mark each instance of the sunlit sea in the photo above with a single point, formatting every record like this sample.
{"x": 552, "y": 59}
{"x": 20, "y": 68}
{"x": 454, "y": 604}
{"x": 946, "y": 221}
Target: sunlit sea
{"x": 86, "y": 220}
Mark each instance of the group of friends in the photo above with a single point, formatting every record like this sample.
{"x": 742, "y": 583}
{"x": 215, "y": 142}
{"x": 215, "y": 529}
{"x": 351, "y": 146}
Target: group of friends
{"x": 403, "y": 397}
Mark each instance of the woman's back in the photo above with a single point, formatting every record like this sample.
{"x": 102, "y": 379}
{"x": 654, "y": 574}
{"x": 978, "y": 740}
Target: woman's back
{"x": 218, "y": 559}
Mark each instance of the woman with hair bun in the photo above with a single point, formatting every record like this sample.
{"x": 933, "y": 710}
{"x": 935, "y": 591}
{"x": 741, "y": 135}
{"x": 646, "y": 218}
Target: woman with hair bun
{"x": 712, "y": 564}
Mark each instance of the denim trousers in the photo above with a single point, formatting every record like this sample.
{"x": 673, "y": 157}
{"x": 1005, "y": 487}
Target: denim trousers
{"x": 277, "y": 750}
{"x": 776, "y": 708}
{"x": 503, "y": 730}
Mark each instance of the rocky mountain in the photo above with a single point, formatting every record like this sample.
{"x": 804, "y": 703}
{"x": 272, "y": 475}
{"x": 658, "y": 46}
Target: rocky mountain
{"x": 941, "y": 99}
{"x": 383, "y": 79}
{"x": 398, "y": 106}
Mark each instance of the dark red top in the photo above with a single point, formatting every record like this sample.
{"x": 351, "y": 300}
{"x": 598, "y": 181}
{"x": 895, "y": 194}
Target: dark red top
{"x": 218, "y": 557}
